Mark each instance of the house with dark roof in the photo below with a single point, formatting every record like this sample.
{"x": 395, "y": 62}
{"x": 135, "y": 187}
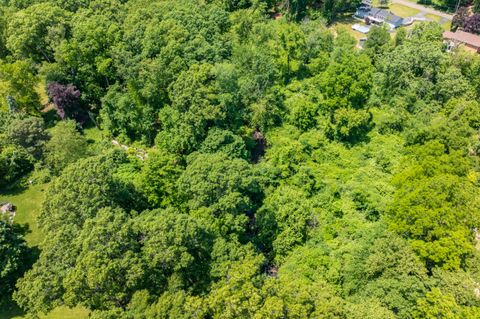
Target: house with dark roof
{"x": 378, "y": 16}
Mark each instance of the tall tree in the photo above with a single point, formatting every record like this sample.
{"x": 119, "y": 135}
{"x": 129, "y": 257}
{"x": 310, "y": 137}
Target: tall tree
{"x": 17, "y": 86}
{"x": 35, "y": 31}
{"x": 66, "y": 99}
{"x": 14, "y": 256}
{"x": 436, "y": 206}
{"x": 28, "y": 133}
{"x": 65, "y": 146}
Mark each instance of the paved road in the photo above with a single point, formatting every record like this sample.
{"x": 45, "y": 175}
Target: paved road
{"x": 424, "y": 9}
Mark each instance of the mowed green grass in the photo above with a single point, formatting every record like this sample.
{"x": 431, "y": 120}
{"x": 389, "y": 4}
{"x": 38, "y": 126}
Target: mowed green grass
{"x": 446, "y": 26}
{"x": 66, "y": 313}
{"x": 435, "y": 4}
{"x": 28, "y": 203}
{"x": 57, "y": 313}
{"x": 346, "y": 23}
{"x": 403, "y": 11}
{"x": 433, "y": 17}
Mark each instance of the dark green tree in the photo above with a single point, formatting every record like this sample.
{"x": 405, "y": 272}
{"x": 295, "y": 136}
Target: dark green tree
{"x": 28, "y": 133}
{"x": 14, "y": 256}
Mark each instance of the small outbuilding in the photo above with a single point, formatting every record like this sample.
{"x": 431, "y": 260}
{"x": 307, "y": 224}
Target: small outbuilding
{"x": 361, "y": 28}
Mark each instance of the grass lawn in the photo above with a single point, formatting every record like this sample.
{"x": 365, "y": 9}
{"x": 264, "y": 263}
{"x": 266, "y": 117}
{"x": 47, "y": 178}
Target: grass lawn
{"x": 57, "y": 313}
{"x": 433, "y": 17}
{"x": 403, "y": 11}
{"x": 93, "y": 133}
{"x": 436, "y": 4}
{"x": 28, "y": 202}
{"x": 346, "y": 23}
{"x": 447, "y": 25}
{"x": 64, "y": 313}
{"x": 95, "y": 139}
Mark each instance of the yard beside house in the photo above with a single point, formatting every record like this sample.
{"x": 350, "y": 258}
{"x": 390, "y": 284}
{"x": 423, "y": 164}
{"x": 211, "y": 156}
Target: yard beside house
{"x": 399, "y": 8}
{"x": 28, "y": 202}
{"x": 346, "y": 23}
{"x": 402, "y": 10}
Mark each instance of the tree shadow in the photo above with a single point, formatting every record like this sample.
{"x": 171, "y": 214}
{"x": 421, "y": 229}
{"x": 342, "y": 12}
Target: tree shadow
{"x": 9, "y": 309}
{"x": 51, "y": 118}
{"x": 14, "y": 189}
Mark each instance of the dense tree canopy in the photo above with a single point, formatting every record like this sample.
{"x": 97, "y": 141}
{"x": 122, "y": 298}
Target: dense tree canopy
{"x": 236, "y": 159}
{"x": 14, "y": 256}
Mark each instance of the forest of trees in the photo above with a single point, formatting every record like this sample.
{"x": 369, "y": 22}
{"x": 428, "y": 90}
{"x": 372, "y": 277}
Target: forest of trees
{"x": 274, "y": 170}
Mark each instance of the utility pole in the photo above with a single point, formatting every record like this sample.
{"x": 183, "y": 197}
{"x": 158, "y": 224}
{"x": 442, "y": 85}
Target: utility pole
{"x": 458, "y": 5}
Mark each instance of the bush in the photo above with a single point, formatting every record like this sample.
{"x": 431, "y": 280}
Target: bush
{"x": 14, "y": 163}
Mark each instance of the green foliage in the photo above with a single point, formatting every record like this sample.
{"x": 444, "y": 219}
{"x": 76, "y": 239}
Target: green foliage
{"x": 222, "y": 141}
{"x": 237, "y": 293}
{"x": 179, "y": 257}
{"x": 125, "y": 117}
{"x": 302, "y": 101}
{"x": 388, "y": 270}
{"x": 107, "y": 269}
{"x": 94, "y": 31}
{"x": 74, "y": 197}
{"x": 436, "y": 206}
{"x": 28, "y": 133}
{"x": 378, "y": 40}
{"x": 193, "y": 96}
{"x": 284, "y": 220}
{"x": 14, "y": 163}
{"x": 266, "y": 168}
{"x": 3, "y": 25}
{"x": 437, "y": 304}
{"x": 346, "y": 86}
{"x": 14, "y": 254}
{"x": 221, "y": 189}
{"x": 65, "y": 146}
{"x": 158, "y": 178}
{"x": 346, "y": 82}
{"x": 34, "y": 32}
{"x": 328, "y": 8}
{"x": 79, "y": 192}
{"x": 17, "y": 84}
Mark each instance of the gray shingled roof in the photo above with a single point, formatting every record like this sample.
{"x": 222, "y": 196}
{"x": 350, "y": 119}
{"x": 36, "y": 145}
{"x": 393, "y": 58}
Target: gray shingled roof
{"x": 381, "y": 13}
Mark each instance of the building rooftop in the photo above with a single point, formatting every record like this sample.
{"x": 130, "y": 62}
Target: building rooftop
{"x": 464, "y": 37}
{"x": 379, "y": 14}
{"x": 361, "y": 28}
{"x": 393, "y": 18}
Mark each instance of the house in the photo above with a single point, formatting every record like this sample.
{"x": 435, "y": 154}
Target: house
{"x": 378, "y": 16}
{"x": 470, "y": 41}
{"x": 394, "y": 21}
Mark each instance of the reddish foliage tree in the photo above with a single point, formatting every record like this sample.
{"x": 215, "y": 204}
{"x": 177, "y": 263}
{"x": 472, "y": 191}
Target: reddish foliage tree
{"x": 473, "y": 24}
{"x": 66, "y": 99}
